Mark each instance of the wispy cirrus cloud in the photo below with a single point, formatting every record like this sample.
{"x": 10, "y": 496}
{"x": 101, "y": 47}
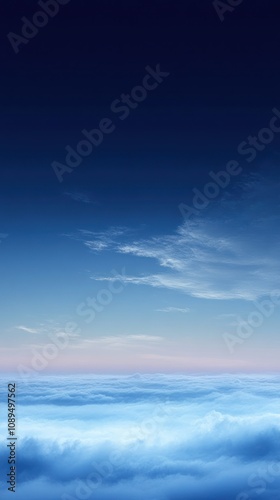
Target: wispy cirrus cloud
{"x": 118, "y": 341}
{"x": 27, "y": 329}
{"x": 174, "y": 309}
{"x": 46, "y": 329}
{"x": 222, "y": 256}
{"x": 98, "y": 241}
{"x": 79, "y": 197}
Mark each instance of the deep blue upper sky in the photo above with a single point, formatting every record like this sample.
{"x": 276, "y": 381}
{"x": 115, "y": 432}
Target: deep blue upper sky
{"x": 224, "y": 80}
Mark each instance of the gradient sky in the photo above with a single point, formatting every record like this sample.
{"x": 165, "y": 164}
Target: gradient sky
{"x": 186, "y": 282}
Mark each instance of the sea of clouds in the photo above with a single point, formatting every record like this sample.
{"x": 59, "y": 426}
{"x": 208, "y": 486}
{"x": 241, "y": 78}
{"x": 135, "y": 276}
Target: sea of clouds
{"x": 145, "y": 437}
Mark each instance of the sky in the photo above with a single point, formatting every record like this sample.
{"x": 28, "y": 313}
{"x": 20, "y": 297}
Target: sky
{"x": 154, "y": 245}
{"x": 139, "y": 248}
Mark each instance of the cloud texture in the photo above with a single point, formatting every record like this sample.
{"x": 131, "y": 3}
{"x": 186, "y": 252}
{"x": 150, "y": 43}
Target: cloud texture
{"x": 156, "y": 437}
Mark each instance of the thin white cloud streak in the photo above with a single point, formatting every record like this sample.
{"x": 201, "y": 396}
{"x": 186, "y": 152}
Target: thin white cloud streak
{"x": 174, "y": 309}
{"x": 46, "y": 329}
{"x": 115, "y": 341}
{"x": 79, "y": 197}
{"x": 27, "y": 329}
{"x": 98, "y": 241}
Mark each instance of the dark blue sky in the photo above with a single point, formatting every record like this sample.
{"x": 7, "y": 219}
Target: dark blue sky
{"x": 224, "y": 80}
{"x": 119, "y": 207}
